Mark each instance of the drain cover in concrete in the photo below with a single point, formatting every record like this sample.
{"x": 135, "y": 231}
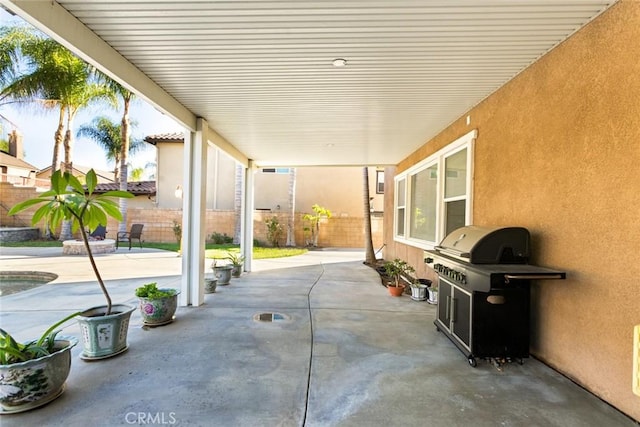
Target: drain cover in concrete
{"x": 270, "y": 317}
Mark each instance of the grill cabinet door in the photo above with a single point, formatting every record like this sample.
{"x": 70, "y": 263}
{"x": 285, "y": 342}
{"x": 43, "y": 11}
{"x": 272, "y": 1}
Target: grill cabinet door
{"x": 461, "y": 317}
{"x": 444, "y": 303}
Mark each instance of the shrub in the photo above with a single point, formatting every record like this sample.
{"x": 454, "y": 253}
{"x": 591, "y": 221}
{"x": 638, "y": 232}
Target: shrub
{"x": 220, "y": 238}
{"x": 274, "y": 231}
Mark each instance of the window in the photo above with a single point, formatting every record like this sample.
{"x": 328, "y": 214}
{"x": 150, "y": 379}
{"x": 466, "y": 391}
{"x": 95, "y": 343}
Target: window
{"x": 434, "y": 196}
{"x": 379, "y": 182}
{"x": 400, "y": 211}
{"x": 276, "y": 170}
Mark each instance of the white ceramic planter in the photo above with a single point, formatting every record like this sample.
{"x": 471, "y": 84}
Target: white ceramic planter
{"x": 31, "y": 384}
{"x": 104, "y": 336}
{"x": 159, "y": 311}
{"x": 419, "y": 292}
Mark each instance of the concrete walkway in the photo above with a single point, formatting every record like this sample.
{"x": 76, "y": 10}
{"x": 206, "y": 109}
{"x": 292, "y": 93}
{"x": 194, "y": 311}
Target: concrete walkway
{"x": 345, "y": 354}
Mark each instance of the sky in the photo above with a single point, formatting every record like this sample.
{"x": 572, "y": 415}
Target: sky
{"x": 38, "y": 128}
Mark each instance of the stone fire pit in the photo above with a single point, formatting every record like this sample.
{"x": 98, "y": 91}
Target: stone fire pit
{"x": 76, "y": 247}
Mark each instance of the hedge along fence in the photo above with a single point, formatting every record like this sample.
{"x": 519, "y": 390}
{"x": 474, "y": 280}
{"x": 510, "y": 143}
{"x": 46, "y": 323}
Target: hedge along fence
{"x": 341, "y": 232}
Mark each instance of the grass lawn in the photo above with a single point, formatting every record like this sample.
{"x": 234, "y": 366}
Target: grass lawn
{"x": 212, "y": 250}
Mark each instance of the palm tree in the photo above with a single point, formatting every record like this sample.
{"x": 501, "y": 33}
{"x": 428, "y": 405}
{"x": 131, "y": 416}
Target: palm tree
{"x": 136, "y": 173}
{"x": 108, "y": 135}
{"x": 37, "y": 69}
{"x": 127, "y": 96}
{"x": 30, "y": 66}
{"x": 370, "y": 256}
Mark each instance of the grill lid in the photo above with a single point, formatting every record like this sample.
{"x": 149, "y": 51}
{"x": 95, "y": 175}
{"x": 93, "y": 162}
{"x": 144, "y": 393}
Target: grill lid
{"x": 487, "y": 245}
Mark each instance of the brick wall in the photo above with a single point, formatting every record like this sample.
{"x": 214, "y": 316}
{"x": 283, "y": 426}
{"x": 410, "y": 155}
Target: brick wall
{"x": 341, "y": 232}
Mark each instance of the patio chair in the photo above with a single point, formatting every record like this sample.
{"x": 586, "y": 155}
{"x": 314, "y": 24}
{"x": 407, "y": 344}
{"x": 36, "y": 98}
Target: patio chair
{"x": 128, "y": 236}
{"x": 100, "y": 233}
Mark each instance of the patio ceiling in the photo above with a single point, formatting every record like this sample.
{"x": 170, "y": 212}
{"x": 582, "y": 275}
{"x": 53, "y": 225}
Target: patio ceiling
{"x": 261, "y": 73}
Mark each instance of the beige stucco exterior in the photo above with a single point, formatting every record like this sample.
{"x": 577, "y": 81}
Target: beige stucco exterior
{"x": 558, "y": 152}
{"x": 220, "y": 186}
{"x": 337, "y": 188}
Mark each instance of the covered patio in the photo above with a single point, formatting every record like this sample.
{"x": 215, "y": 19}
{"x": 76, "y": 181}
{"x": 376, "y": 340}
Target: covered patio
{"x": 345, "y": 353}
{"x": 540, "y": 96}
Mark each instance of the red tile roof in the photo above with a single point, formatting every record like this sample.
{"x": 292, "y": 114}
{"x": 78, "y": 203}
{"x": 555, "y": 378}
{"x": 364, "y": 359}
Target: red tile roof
{"x": 134, "y": 187}
{"x": 165, "y": 137}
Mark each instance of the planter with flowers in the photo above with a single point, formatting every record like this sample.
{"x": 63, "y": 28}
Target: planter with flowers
{"x": 157, "y": 306}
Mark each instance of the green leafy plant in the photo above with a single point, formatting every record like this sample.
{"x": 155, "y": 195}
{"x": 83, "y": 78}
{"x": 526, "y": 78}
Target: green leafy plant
{"x": 314, "y": 221}
{"x": 12, "y": 351}
{"x": 274, "y": 231}
{"x": 177, "y": 231}
{"x": 235, "y": 259}
{"x": 69, "y": 200}
{"x": 396, "y": 269}
{"x": 220, "y": 238}
{"x": 151, "y": 291}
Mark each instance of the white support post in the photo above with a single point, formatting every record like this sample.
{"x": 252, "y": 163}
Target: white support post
{"x": 193, "y": 218}
{"x": 247, "y": 216}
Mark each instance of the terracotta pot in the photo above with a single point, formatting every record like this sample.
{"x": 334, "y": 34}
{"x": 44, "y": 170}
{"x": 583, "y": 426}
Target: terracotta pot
{"x": 396, "y": 291}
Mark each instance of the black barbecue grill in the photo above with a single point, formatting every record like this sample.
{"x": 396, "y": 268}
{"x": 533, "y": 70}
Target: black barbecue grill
{"x": 483, "y": 298}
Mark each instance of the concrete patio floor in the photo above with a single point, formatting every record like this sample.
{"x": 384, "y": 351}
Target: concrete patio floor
{"x": 347, "y": 353}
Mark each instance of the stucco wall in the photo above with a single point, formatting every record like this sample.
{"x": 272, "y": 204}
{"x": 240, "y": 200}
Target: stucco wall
{"x": 558, "y": 151}
{"x": 338, "y": 189}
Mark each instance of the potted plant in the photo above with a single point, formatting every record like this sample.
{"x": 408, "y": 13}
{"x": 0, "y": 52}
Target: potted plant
{"x": 33, "y": 374}
{"x": 433, "y": 294}
{"x": 104, "y": 328}
{"x": 157, "y": 306}
{"x": 222, "y": 272}
{"x": 396, "y": 269}
{"x": 210, "y": 283}
{"x": 236, "y": 262}
{"x": 419, "y": 289}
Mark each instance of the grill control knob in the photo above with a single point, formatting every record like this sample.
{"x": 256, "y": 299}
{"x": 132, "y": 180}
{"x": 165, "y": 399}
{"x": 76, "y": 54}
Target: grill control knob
{"x": 428, "y": 260}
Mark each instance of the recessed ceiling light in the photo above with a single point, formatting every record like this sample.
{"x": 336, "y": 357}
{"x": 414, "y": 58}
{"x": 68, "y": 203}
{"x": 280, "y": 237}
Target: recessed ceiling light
{"x": 339, "y": 62}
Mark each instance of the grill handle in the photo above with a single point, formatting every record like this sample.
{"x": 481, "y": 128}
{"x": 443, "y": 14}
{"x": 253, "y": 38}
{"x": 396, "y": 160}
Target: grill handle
{"x": 508, "y": 277}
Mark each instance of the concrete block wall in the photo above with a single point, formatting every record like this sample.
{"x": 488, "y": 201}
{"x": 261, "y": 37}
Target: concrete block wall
{"x": 340, "y": 232}
{"x": 10, "y": 195}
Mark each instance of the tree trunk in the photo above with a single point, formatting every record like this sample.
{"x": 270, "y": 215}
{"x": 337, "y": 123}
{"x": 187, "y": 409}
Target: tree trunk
{"x": 57, "y": 143}
{"x": 370, "y": 256}
{"x": 291, "y": 230}
{"x": 116, "y": 170}
{"x": 65, "y": 228}
{"x": 124, "y": 157}
{"x": 55, "y": 160}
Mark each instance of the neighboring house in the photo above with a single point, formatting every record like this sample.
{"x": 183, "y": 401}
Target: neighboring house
{"x": 16, "y": 170}
{"x": 337, "y": 188}
{"x": 555, "y": 150}
{"x": 144, "y": 192}
{"x": 79, "y": 172}
{"x": 13, "y": 167}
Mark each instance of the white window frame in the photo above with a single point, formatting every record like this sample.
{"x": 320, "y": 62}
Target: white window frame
{"x": 396, "y": 207}
{"x": 464, "y": 142}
